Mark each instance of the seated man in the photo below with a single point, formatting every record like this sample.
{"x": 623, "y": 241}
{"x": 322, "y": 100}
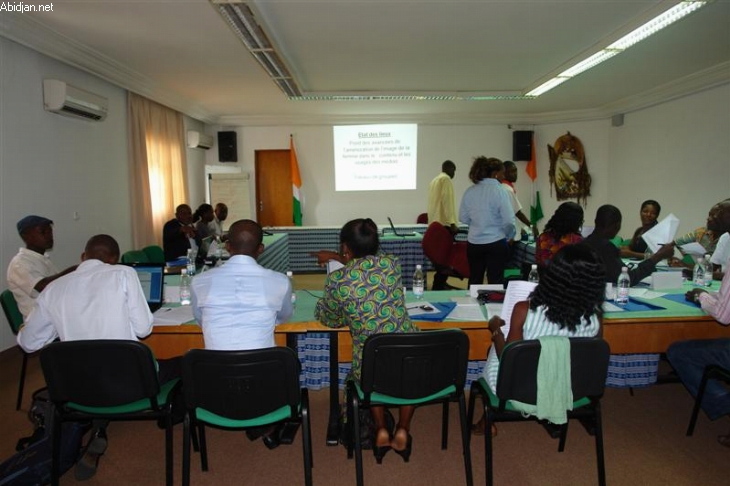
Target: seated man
{"x": 31, "y": 269}
{"x": 220, "y": 214}
{"x": 689, "y": 358}
{"x": 239, "y": 304}
{"x": 100, "y": 300}
{"x": 608, "y": 224}
{"x": 178, "y": 234}
{"x": 707, "y": 236}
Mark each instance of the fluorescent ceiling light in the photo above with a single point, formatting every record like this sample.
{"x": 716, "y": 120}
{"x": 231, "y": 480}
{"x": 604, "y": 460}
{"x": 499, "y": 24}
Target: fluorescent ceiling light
{"x": 682, "y": 9}
{"x": 241, "y": 19}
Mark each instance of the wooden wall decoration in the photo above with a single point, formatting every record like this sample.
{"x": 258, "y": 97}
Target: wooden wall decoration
{"x": 568, "y": 169}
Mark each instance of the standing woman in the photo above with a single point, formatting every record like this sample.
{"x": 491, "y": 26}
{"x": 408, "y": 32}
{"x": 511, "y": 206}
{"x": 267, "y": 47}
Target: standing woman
{"x": 649, "y": 213}
{"x": 487, "y": 209}
{"x": 366, "y": 295}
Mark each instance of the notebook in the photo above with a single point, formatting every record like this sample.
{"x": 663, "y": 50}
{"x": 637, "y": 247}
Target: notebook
{"x": 395, "y": 231}
{"x": 152, "y": 277}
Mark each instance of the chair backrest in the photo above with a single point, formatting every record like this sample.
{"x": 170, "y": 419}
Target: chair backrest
{"x": 242, "y": 385}
{"x": 415, "y": 365}
{"x": 99, "y": 373}
{"x": 12, "y": 313}
{"x": 135, "y": 256}
{"x": 155, "y": 254}
{"x": 517, "y": 378}
{"x": 422, "y": 218}
{"x": 437, "y": 243}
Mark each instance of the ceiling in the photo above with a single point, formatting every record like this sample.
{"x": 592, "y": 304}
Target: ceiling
{"x": 183, "y": 54}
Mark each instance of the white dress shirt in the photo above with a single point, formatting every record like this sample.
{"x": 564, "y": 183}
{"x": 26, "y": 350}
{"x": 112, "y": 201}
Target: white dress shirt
{"x": 239, "y": 304}
{"x": 722, "y": 251}
{"x": 26, "y": 269}
{"x": 97, "y": 301}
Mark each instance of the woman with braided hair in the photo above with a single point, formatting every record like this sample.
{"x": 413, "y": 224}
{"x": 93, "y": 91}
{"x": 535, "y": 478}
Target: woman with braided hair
{"x": 567, "y": 302}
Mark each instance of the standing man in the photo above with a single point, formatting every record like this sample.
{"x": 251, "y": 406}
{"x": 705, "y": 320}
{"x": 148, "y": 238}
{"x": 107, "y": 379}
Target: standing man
{"x": 178, "y": 234}
{"x": 239, "y": 304}
{"x": 31, "y": 269}
{"x": 689, "y": 358}
{"x": 220, "y": 214}
{"x": 510, "y": 177}
{"x": 100, "y": 300}
{"x": 441, "y": 206}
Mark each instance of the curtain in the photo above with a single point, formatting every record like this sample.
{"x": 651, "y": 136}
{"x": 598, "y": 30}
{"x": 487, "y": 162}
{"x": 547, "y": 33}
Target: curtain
{"x": 158, "y": 167}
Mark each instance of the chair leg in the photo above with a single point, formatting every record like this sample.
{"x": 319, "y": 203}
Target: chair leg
{"x": 355, "y": 407}
{"x": 21, "y": 383}
{"x": 56, "y": 449}
{"x": 445, "y": 426}
{"x": 168, "y": 447}
{"x": 306, "y": 440}
{"x": 203, "y": 446}
{"x": 488, "y": 459}
{"x": 465, "y": 442}
{"x": 599, "y": 446}
{"x": 563, "y": 436}
{"x": 698, "y": 402}
{"x": 186, "y": 450}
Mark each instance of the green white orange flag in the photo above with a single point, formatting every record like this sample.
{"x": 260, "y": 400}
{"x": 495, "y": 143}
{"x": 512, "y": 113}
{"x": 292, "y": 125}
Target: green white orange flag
{"x": 531, "y": 169}
{"x": 296, "y": 183}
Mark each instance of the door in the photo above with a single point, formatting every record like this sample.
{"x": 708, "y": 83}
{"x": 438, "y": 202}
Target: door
{"x": 273, "y": 188}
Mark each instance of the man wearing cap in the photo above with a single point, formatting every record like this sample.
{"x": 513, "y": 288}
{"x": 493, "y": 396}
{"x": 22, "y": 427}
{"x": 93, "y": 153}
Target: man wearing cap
{"x": 31, "y": 269}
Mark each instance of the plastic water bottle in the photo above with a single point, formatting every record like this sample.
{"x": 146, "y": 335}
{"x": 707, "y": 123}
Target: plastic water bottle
{"x": 622, "y": 287}
{"x": 418, "y": 282}
{"x": 191, "y": 261}
{"x": 533, "y": 276}
{"x": 184, "y": 287}
{"x": 290, "y": 275}
{"x": 699, "y": 272}
{"x": 708, "y": 270}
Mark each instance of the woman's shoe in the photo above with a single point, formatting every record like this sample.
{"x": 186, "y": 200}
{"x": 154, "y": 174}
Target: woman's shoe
{"x": 379, "y": 452}
{"x": 478, "y": 428}
{"x": 406, "y": 453}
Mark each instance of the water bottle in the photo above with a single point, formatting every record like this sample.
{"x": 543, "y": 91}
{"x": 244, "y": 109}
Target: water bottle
{"x": 418, "y": 282}
{"x": 533, "y": 276}
{"x": 622, "y": 287}
{"x": 184, "y": 287}
{"x": 191, "y": 261}
{"x": 699, "y": 272}
{"x": 708, "y": 270}
{"x": 290, "y": 276}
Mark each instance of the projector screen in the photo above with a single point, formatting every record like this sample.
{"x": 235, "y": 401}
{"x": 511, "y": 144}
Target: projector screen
{"x": 375, "y": 157}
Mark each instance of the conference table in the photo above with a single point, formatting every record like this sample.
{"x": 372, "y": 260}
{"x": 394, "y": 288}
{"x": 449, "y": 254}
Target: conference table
{"x": 637, "y": 331}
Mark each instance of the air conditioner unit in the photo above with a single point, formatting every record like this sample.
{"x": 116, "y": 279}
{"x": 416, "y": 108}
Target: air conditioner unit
{"x": 199, "y": 140}
{"x": 64, "y": 99}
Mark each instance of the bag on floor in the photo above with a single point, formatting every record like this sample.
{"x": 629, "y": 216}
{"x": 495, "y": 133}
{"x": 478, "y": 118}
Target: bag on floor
{"x": 31, "y": 465}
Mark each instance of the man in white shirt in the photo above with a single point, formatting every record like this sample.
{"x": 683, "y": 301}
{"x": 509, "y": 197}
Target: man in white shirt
{"x": 510, "y": 177}
{"x": 220, "y": 213}
{"x": 239, "y": 304}
{"x": 720, "y": 256}
{"x": 31, "y": 269}
{"x": 100, "y": 300}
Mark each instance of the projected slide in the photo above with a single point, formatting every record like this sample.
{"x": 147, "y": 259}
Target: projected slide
{"x": 375, "y": 157}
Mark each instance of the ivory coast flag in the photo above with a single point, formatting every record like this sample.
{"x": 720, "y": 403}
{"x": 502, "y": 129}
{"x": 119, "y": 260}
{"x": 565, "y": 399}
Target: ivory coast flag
{"x": 296, "y": 183}
{"x": 531, "y": 169}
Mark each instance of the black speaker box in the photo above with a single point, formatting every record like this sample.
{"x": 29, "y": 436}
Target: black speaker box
{"x": 521, "y": 145}
{"x": 227, "y": 150}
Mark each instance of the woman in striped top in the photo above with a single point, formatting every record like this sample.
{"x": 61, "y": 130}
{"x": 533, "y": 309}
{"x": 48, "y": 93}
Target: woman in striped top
{"x": 567, "y": 302}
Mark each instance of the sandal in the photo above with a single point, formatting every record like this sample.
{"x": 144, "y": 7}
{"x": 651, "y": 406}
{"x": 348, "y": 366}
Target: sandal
{"x": 478, "y": 428}
{"x": 724, "y": 440}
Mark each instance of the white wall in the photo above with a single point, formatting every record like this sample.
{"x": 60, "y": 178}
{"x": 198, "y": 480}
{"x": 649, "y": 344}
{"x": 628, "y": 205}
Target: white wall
{"x": 677, "y": 153}
{"x": 55, "y": 166}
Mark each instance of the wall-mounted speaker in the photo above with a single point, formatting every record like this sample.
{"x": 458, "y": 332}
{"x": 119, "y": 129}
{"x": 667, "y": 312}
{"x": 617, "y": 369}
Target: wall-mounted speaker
{"x": 522, "y": 145}
{"x": 227, "y": 150}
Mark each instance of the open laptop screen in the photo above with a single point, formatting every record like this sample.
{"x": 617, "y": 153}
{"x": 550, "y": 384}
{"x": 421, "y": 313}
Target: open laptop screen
{"x": 151, "y": 276}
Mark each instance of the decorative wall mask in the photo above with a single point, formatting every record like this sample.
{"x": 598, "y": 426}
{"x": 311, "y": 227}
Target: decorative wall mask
{"x": 568, "y": 170}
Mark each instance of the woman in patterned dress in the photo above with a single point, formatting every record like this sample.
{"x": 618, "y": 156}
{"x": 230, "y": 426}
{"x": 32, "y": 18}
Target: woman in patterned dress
{"x": 562, "y": 229}
{"x": 367, "y": 296}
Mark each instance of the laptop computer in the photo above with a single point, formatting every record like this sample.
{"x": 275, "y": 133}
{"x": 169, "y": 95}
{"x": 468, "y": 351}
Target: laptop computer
{"x": 395, "y": 231}
{"x": 152, "y": 278}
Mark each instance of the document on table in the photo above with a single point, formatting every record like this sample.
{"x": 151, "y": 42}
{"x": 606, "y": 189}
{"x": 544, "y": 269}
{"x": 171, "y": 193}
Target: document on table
{"x": 467, "y": 309}
{"x": 173, "y": 316}
{"x": 517, "y": 291}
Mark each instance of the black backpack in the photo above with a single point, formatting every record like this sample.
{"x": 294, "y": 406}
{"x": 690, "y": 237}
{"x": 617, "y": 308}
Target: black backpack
{"x": 31, "y": 465}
